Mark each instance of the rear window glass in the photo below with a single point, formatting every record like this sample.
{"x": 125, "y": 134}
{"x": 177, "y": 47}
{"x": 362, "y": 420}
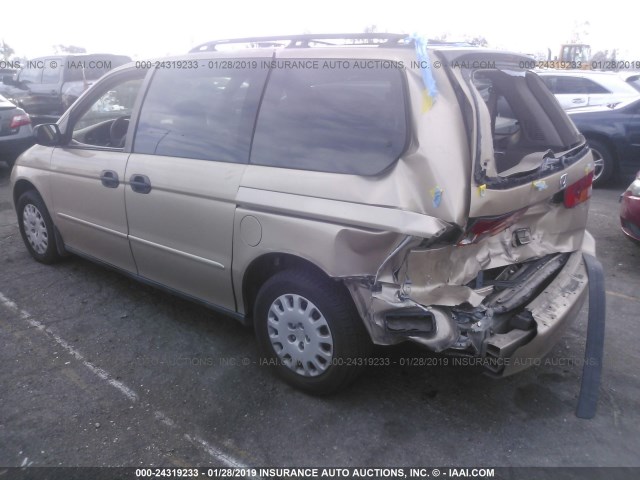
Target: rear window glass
{"x": 350, "y": 119}
{"x": 525, "y": 120}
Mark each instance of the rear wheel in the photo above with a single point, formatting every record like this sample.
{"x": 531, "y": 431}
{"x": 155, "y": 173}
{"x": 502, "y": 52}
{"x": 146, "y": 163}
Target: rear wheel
{"x": 36, "y": 227}
{"x": 309, "y": 331}
{"x": 603, "y": 162}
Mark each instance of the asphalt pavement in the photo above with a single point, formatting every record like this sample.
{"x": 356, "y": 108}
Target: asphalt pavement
{"x": 98, "y": 370}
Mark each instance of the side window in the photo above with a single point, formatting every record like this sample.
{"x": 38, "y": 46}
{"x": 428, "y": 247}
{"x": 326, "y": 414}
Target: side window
{"x": 106, "y": 121}
{"x": 205, "y": 114}
{"x": 31, "y": 75}
{"x": 52, "y": 75}
{"x": 551, "y": 83}
{"x": 341, "y": 120}
{"x": 593, "y": 87}
{"x": 571, "y": 85}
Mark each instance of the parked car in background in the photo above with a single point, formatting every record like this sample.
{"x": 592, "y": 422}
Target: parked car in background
{"x": 7, "y": 71}
{"x": 614, "y": 137}
{"x": 630, "y": 210}
{"x": 46, "y": 86}
{"x": 586, "y": 88}
{"x": 632, "y": 78}
{"x": 331, "y": 208}
{"x": 16, "y": 134}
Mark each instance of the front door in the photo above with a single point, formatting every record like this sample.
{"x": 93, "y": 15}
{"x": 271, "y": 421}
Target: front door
{"x": 88, "y": 178}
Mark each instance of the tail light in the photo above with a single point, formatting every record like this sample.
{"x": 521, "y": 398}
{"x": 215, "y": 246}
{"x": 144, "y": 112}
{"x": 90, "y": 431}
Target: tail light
{"x": 488, "y": 226}
{"x": 19, "y": 120}
{"x": 578, "y": 192}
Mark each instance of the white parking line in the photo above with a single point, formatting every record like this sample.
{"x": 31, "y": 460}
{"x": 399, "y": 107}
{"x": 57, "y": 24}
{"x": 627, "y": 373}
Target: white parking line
{"x": 130, "y": 394}
{"x": 214, "y": 452}
{"x": 622, "y": 295}
{"x": 217, "y": 454}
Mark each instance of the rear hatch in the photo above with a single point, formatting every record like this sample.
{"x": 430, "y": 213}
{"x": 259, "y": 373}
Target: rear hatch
{"x": 525, "y": 150}
{"x": 512, "y": 269}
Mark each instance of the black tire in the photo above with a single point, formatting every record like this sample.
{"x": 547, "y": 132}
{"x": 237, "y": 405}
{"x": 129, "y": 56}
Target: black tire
{"x": 31, "y": 205}
{"x": 351, "y": 342}
{"x": 602, "y": 151}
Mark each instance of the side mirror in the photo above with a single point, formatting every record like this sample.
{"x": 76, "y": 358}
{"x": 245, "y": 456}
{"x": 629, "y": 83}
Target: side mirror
{"x": 47, "y": 134}
{"x": 8, "y": 80}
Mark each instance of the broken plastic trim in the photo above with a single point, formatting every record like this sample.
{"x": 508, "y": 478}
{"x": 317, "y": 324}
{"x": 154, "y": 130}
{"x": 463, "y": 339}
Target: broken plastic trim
{"x": 482, "y": 227}
{"x": 527, "y": 284}
{"x": 594, "y": 349}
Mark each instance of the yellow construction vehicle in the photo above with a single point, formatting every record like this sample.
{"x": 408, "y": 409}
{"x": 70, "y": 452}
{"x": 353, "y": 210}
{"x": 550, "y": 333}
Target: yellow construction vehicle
{"x": 572, "y": 56}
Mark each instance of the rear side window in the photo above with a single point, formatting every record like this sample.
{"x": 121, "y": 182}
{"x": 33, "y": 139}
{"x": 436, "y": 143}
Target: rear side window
{"x": 350, "y": 119}
{"x": 569, "y": 85}
{"x": 572, "y": 85}
{"x": 203, "y": 113}
{"x": 593, "y": 87}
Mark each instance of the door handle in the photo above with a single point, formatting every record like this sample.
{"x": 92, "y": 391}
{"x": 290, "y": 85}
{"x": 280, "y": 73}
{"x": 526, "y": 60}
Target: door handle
{"x": 578, "y": 100}
{"x": 109, "y": 179}
{"x": 140, "y": 183}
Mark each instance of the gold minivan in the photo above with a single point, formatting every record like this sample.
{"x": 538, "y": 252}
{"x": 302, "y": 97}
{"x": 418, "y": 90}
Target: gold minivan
{"x": 335, "y": 193}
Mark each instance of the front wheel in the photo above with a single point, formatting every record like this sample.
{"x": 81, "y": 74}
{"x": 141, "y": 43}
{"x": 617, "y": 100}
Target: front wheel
{"x": 309, "y": 331}
{"x": 36, "y": 227}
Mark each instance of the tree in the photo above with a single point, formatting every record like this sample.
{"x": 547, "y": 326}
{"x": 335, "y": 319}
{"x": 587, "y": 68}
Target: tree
{"x": 479, "y": 41}
{"x": 604, "y": 56}
{"x": 444, "y": 37}
{"x": 368, "y": 29}
{"x": 5, "y": 50}
{"x": 580, "y": 32}
{"x": 69, "y": 49}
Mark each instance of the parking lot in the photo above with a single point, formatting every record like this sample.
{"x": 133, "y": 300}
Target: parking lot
{"x": 98, "y": 370}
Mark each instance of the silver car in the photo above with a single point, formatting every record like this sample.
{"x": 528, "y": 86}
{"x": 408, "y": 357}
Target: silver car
{"x": 16, "y": 134}
{"x": 585, "y": 88}
{"x": 334, "y": 193}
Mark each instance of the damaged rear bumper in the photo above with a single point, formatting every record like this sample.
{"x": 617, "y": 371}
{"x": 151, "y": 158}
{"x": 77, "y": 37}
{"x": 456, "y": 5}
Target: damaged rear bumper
{"x": 552, "y": 310}
{"x": 511, "y": 328}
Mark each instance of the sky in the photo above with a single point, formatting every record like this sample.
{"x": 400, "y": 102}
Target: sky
{"x": 153, "y": 29}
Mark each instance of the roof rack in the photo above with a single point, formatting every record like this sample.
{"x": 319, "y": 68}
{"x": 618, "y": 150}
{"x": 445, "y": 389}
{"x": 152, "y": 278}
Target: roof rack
{"x": 305, "y": 41}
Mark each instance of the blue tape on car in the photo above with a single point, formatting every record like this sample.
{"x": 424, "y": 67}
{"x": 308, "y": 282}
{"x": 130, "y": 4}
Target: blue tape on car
{"x": 539, "y": 185}
{"x": 436, "y": 194}
{"x": 421, "y": 43}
